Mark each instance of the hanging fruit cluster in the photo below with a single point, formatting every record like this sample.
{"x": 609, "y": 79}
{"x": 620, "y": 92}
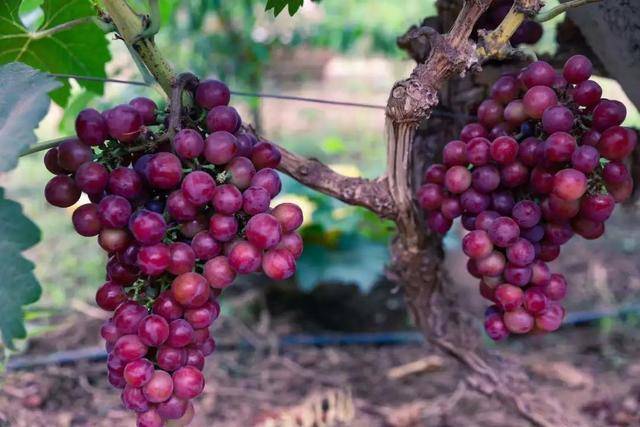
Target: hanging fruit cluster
{"x": 545, "y": 161}
{"x": 181, "y": 205}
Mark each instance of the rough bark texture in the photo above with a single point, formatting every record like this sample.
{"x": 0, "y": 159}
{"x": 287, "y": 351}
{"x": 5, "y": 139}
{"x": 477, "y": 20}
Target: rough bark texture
{"x": 371, "y": 194}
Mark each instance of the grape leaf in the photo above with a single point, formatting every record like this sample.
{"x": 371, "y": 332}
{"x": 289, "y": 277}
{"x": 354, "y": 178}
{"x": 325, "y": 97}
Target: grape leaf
{"x": 23, "y": 103}
{"x": 279, "y": 5}
{"x": 79, "y": 50}
{"x": 19, "y": 285}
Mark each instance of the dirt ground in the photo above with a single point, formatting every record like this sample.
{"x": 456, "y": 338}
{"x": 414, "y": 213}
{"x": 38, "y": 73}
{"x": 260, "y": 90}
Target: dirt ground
{"x": 360, "y": 386}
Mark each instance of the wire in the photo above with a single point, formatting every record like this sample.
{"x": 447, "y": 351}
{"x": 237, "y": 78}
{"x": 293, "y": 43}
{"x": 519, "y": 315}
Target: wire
{"x": 435, "y": 113}
{"x": 99, "y": 79}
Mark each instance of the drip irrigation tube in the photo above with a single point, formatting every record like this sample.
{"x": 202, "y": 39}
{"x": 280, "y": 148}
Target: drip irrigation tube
{"x": 97, "y": 353}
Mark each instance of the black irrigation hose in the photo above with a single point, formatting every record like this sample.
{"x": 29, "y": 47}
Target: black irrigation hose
{"x": 577, "y": 318}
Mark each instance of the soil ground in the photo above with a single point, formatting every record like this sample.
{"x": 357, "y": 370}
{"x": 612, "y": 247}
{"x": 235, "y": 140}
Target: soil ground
{"x": 339, "y": 386}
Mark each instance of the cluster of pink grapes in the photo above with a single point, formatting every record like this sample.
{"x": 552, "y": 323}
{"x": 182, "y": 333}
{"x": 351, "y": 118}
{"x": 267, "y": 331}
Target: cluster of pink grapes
{"x": 179, "y": 220}
{"x": 529, "y": 32}
{"x": 545, "y": 161}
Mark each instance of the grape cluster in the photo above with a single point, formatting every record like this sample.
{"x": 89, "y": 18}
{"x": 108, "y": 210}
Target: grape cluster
{"x": 179, "y": 215}
{"x": 545, "y": 161}
{"x": 529, "y": 32}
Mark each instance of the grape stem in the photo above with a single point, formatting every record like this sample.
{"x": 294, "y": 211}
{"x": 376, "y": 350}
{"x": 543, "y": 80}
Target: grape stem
{"x": 44, "y": 145}
{"x": 561, "y": 8}
{"x": 184, "y": 81}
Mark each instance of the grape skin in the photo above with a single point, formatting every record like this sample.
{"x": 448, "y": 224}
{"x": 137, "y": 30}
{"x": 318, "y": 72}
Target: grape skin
{"x": 208, "y": 193}
{"x": 550, "y": 167}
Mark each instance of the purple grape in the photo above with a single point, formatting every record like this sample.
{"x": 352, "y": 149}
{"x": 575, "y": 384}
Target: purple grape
{"x": 223, "y": 118}
{"x": 255, "y": 200}
{"x": 265, "y": 155}
{"x": 91, "y": 127}
{"x": 269, "y": 180}
{"x": 124, "y": 123}
{"x": 72, "y": 154}
{"x": 188, "y": 144}
{"x": 146, "y": 108}
{"x": 212, "y": 93}
{"x": 114, "y": 211}
{"x": 125, "y": 182}
{"x": 504, "y": 232}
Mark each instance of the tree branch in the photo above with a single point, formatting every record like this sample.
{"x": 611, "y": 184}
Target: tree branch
{"x": 129, "y": 26}
{"x": 561, "y": 8}
{"x": 371, "y": 194}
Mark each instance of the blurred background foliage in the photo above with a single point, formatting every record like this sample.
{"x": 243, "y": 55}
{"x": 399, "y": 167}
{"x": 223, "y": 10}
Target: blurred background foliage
{"x": 334, "y": 49}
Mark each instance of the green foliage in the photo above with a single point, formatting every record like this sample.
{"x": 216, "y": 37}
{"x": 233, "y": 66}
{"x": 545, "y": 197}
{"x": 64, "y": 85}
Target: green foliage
{"x": 23, "y": 103}
{"x": 278, "y": 5}
{"x": 18, "y": 286}
{"x": 342, "y": 243}
{"x": 81, "y": 49}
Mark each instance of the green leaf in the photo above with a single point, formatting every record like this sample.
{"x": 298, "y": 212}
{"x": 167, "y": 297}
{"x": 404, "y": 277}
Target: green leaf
{"x": 355, "y": 259}
{"x": 279, "y": 5}
{"x": 79, "y": 50}
{"x": 23, "y": 103}
{"x": 18, "y": 285}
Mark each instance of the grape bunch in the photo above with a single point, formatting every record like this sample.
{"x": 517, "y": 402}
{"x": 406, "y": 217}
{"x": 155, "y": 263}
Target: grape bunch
{"x": 545, "y": 161}
{"x": 529, "y": 32}
{"x": 179, "y": 214}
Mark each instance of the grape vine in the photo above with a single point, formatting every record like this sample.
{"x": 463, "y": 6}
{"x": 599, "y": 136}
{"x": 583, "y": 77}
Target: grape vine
{"x": 545, "y": 161}
{"x": 180, "y": 202}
